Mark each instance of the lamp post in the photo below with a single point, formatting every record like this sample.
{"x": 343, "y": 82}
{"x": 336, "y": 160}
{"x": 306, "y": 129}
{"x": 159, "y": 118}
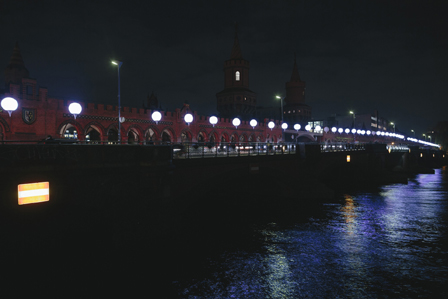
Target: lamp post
{"x": 393, "y": 124}
{"x": 118, "y": 63}
{"x": 75, "y": 109}
{"x": 9, "y": 104}
{"x": 281, "y": 105}
{"x": 354, "y": 118}
{"x": 413, "y": 132}
{"x": 425, "y": 136}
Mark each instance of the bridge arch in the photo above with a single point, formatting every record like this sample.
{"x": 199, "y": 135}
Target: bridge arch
{"x": 243, "y": 138}
{"x": 186, "y": 135}
{"x": 67, "y": 125}
{"x": 152, "y": 134}
{"x": 202, "y": 136}
{"x": 213, "y": 136}
{"x": 306, "y": 138}
{"x": 134, "y": 133}
{"x": 4, "y": 127}
{"x": 95, "y": 131}
{"x": 168, "y": 135}
{"x": 234, "y": 137}
{"x": 225, "y": 137}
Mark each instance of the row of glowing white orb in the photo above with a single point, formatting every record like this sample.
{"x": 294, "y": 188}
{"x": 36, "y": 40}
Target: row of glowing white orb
{"x": 10, "y": 104}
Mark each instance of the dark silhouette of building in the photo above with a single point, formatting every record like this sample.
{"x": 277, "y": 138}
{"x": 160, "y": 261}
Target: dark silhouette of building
{"x": 236, "y": 99}
{"x": 294, "y": 108}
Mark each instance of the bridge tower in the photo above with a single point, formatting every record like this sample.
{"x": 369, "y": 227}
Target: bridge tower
{"x": 15, "y": 70}
{"x": 236, "y": 99}
{"x": 295, "y": 109}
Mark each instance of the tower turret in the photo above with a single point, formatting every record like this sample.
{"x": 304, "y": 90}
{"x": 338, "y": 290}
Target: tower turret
{"x": 15, "y": 71}
{"x": 236, "y": 99}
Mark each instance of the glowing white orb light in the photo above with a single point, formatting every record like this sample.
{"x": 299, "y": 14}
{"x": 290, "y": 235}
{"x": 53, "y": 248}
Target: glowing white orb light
{"x": 326, "y": 129}
{"x": 297, "y": 127}
{"x": 358, "y": 132}
{"x": 213, "y": 120}
{"x": 236, "y": 122}
{"x": 156, "y": 116}
{"x": 368, "y": 132}
{"x": 188, "y": 118}
{"x": 334, "y": 129}
{"x": 271, "y": 125}
{"x": 317, "y": 128}
{"x": 353, "y": 131}
{"x": 340, "y": 130}
{"x": 9, "y": 104}
{"x": 75, "y": 109}
{"x": 284, "y": 126}
{"x": 253, "y": 123}
{"x": 347, "y": 130}
{"x": 307, "y": 127}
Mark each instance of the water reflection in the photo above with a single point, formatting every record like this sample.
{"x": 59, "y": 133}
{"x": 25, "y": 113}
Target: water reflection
{"x": 391, "y": 243}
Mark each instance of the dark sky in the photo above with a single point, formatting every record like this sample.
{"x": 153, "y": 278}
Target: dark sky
{"x": 390, "y": 56}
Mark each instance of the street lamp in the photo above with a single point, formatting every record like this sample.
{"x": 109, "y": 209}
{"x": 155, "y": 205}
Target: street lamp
{"x": 9, "y": 104}
{"x": 75, "y": 109}
{"x": 354, "y": 117}
{"x": 271, "y": 125}
{"x": 156, "y": 116}
{"x": 188, "y": 118}
{"x": 281, "y": 104}
{"x": 236, "y": 122}
{"x": 253, "y": 123}
{"x": 425, "y": 136}
{"x": 118, "y": 63}
{"x": 213, "y": 120}
{"x": 413, "y": 132}
{"x": 393, "y": 124}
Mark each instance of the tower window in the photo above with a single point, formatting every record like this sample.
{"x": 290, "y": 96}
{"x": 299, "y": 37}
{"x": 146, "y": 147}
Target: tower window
{"x": 237, "y": 76}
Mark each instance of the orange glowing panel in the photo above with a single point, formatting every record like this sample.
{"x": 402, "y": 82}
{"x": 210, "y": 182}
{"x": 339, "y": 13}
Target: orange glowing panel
{"x": 34, "y": 193}
{"x": 348, "y": 158}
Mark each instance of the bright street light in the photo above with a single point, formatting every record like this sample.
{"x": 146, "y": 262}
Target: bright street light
{"x": 9, "y": 104}
{"x": 156, "y": 116}
{"x": 75, "y": 109}
{"x": 118, "y": 63}
{"x": 213, "y": 120}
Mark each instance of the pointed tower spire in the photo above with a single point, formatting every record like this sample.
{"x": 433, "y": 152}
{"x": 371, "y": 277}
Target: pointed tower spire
{"x": 236, "y": 50}
{"x": 295, "y": 71}
{"x": 16, "y": 69}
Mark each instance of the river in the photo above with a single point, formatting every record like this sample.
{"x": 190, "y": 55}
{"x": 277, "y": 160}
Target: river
{"x": 389, "y": 242}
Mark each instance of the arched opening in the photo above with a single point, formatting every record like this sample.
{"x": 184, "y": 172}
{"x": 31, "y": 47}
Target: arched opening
{"x": 112, "y": 136}
{"x": 237, "y": 76}
{"x": 166, "y": 137}
{"x": 151, "y": 136}
{"x": 93, "y": 136}
{"x": 202, "y": 137}
{"x": 133, "y": 137}
{"x": 185, "y": 136}
{"x": 69, "y": 132}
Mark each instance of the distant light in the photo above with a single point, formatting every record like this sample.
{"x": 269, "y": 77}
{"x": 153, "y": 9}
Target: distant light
{"x": 307, "y": 127}
{"x": 156, "y": 116}
{"x": 297, "y": 127}
{"x": 253, "y": 123}
{"x": 188, "y": 118}
{"x": 340, "y": 130}
{"x": 284, "y": 126}
{"x": 75, "y": 109}
{"x": 236, "y": 122}
{"x": 317, "y": 128}
{"x": 33, "y": 193}
{"x": 348, "y": 158}
{"x": 9, "y": 104}
{"x": 114, "y": 62}
{"x": 271, "y": 125}
{"x": 326, "y": 129}
{"x": 358, "y": 132}
{"x": 387, "y": 134}
{"x": 353, "y": 131}
{"x": 363, "y": 132}
{"x": 213, "y": 120}
{"x": 334, "y": 129}
{"x": 347, "y": 130}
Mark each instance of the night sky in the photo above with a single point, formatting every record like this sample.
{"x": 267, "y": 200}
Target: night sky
{"x": 390, "y": 56}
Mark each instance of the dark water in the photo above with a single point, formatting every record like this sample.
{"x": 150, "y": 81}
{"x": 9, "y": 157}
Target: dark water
{"x": 390, "y": 242}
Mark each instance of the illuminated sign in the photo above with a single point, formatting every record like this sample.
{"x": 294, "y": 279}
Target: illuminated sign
{"x": 34, "y": 193}
{"x": 348, "y": 158}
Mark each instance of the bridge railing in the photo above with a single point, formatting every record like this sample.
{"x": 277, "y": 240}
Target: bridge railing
{"x": 342, "y": 147}
{"x": 190, "y": 150}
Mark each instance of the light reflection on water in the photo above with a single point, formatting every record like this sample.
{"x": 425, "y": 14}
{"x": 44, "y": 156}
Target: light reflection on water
{"x": 388, "y": 244}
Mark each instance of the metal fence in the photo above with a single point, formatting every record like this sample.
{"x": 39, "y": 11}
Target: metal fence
{"x": 228, "y": 149}
{"x": 342, "y": 147}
